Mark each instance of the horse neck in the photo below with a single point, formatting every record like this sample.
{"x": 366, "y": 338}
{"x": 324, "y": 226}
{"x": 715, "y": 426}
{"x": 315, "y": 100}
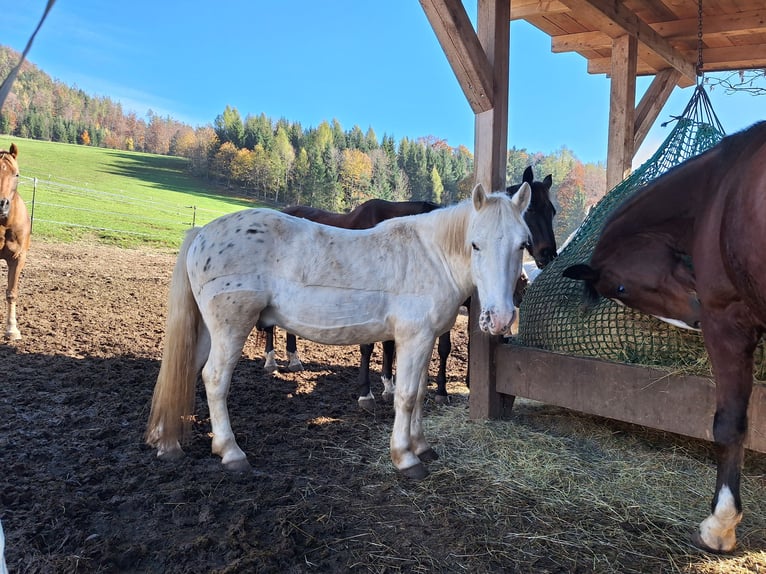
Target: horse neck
{"x": 443, "y": 232}
{"x": 670, "y": 205}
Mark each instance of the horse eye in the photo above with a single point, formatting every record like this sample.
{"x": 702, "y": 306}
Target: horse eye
{"x": 475, "y": 247}
{"x": 621, "y": 289}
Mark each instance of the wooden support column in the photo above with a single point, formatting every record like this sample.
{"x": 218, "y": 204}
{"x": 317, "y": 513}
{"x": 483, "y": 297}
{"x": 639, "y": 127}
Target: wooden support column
{"x": 490, "y": 156}
{"x": 651, "y": 104}
{"x": 622, "y": 102}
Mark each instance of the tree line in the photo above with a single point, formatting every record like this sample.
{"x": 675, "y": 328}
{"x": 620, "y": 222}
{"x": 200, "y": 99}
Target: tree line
{"x": 325, "y": 166}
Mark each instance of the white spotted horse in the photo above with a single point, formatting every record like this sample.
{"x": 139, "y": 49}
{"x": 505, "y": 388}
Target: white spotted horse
{"x": 324, "y": 284}
{"x": 688, "y": 249}
{"x": 15, "y": 234}
{"x": 364, "y": 216}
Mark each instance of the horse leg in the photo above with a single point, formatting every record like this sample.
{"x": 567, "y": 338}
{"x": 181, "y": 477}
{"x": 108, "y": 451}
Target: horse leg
{"x": 731, "y": 355}
{"x": 409, "y": 448}
{"x": 444, "y": 348}
{"x": 366, "y": 399}
{"x": 15, "y": 266}
{"x": 294, "y": 363}
{"x": 271, "y": 363}
{"x": 227, "y": 342}
{"x": 387, "y": 376}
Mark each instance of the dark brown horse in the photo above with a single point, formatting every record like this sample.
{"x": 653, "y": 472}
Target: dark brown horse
{"x": 688, "y": 249}
{"x": 15, "y": 229}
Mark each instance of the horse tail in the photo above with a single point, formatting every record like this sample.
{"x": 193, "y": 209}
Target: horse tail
{"x": 174, "y": 393}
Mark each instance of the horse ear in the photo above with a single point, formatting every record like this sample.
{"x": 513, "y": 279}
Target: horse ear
{"x": 522, "y": 197}
{"x": 586, "y": 273}
{"x": 528, "y": 176}
{"x": 581, "y": 272}
{"x": 14, "y": 151}
{"x": 548, "y": 181}
{"x": 479, "y": 196}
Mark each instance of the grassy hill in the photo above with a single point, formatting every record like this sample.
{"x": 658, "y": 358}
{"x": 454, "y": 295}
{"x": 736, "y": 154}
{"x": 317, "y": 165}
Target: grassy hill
{"x": 128, "y": 198}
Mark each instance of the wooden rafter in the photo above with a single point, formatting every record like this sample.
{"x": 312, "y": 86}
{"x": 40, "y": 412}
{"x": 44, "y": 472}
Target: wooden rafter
{"x": 463, "y": 49}
{"x": 616, "y": 20}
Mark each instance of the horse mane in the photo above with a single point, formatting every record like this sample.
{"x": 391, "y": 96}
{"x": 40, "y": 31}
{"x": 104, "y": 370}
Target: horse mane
{"x": 452, "y": 234}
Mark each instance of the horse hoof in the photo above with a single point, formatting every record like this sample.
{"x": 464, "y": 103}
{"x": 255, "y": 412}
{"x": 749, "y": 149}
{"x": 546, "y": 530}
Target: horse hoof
{"x": 295, "y": 368}
{"x": 428, "y": 455}
{"x": 366, "y": 404}
{"x": 171, "y": 455}
{"x": 699, "y": 543}
{"x": 441, "y": 399}
{"x": 388, "y": 397}
{"x": 13, "y": 336}
{"x": 271, "y": 368}
{"x": 417, "y": 472}
{"x": 238, "y": 466}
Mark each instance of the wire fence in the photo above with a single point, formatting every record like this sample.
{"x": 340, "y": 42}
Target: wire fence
{"x": 55, "y": 206}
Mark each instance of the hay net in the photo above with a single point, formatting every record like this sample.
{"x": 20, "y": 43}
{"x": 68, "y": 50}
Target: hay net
{"x": 551, "y": 316}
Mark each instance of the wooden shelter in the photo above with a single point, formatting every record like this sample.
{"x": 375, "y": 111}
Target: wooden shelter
{"x": 622, "y": 39}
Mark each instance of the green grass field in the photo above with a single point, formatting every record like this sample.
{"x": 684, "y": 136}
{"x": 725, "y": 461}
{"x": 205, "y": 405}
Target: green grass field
{"x": 126, "y": 198}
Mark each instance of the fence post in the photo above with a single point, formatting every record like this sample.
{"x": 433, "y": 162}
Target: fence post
{"x": 32, "y": 214}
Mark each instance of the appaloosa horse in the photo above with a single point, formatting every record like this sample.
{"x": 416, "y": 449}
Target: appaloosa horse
{"x": 688, "y": 249}
{"x": 539, "y": 218}
{"x": 15, "y": 231}
{"x": 325, "y": 285}
{"x": 364, "y": 216}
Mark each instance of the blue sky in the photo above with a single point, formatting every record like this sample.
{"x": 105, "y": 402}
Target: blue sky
{"x": 373, "y": 64}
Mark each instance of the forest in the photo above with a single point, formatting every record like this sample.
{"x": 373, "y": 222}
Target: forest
{"x": 281, "y": 161}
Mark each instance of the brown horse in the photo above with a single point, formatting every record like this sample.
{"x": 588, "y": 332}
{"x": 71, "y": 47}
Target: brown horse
{"x": 688, "y": 249}
{"x": 15, "y": 229}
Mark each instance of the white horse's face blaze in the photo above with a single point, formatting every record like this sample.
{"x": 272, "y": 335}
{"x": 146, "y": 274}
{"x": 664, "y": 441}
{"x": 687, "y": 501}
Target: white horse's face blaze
{"x": 498, "y": 238}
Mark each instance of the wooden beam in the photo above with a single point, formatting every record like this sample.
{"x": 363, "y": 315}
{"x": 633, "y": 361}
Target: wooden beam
{"x": 490, "y": 155}
{"x": 651, "y": 104}
{"x": 604, "y": 66}
{"x": 463, "y": 49}
{"x": 741, "y": 22}
{"x": 733, "y": 58}
{"x": 650, "y": 397}
{"x": 615, "y": 19}
{"x": 521, "y": 9}
{"x": 580, "y": 42}
{"x": 619, "y": 156}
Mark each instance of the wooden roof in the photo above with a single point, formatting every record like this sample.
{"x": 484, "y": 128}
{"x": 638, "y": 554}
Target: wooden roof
{"x": 733, "y": 32}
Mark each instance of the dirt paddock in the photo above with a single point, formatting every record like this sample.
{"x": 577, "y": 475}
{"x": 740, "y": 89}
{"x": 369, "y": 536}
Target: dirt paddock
{"x": 82, "y": 493}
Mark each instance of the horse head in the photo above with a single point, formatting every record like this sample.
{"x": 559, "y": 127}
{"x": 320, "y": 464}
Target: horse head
{"x": 497, "y": 235}
{"x": 644, "y": 273}
{"x": 539, "y": 217}
{"x": 9, "y": 179}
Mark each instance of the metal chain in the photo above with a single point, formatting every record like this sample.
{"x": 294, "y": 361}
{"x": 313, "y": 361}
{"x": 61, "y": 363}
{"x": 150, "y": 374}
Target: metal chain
{"x": 700, "y": 63}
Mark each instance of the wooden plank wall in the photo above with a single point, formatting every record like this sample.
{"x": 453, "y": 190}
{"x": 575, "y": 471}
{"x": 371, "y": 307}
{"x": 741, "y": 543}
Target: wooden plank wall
{"x": 650, "y": 397}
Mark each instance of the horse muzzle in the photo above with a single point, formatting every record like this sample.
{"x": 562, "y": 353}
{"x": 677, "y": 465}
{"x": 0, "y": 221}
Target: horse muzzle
{"x": 495, "y": 323}
{"x": 5, "y": 207}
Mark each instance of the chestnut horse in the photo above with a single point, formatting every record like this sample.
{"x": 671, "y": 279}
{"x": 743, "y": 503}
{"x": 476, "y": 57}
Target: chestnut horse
{"x": 688, "y": 249}
{"x": 15, "y": 231}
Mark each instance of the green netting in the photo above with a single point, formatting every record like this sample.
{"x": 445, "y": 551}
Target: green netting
{"x": 551, "y": 314}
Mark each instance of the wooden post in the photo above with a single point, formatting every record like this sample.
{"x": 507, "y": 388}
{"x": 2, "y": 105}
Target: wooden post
{"x": 622, "y": 103}
{"x": 490, "y": 156}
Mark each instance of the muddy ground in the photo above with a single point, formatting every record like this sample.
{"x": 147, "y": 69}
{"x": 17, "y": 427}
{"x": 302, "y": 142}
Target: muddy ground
{"x": 81, "y": 492}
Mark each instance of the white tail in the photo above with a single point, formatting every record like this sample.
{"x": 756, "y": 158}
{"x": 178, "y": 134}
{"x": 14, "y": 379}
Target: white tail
{"x": 173, "y": 400}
